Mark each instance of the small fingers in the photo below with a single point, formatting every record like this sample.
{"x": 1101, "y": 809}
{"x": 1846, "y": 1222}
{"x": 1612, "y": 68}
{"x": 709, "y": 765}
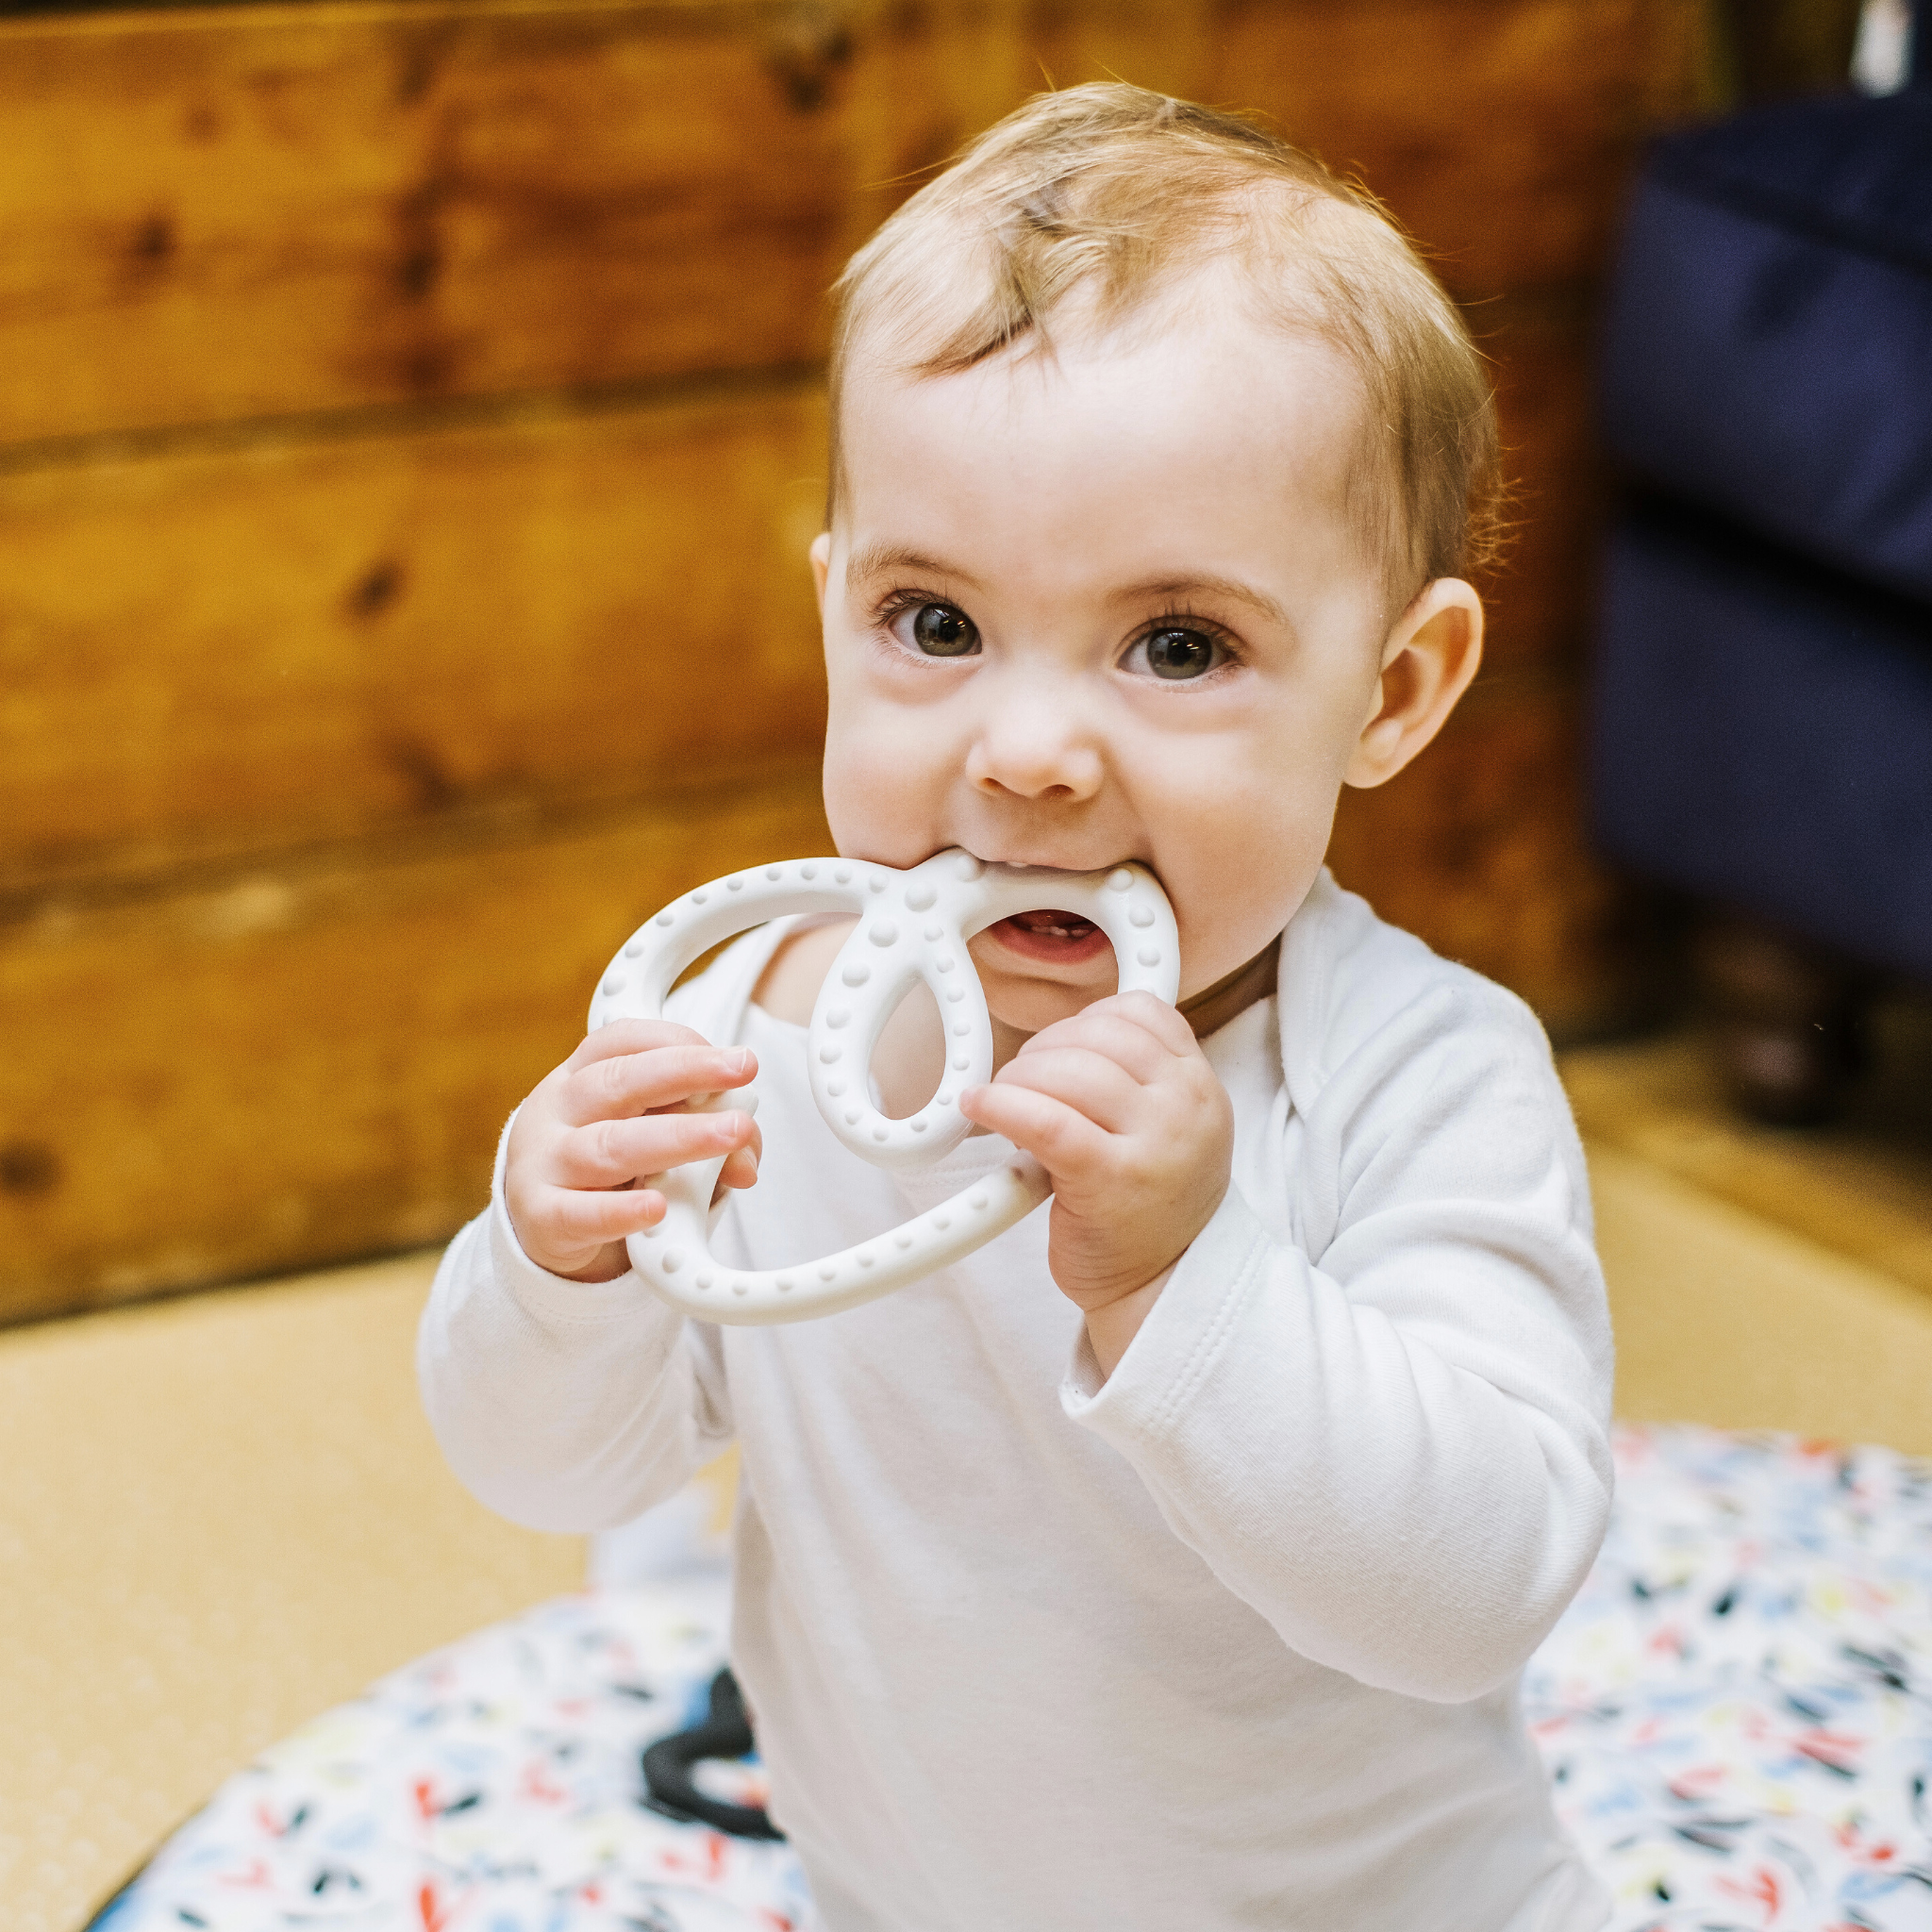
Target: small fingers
{"x": 1167, "y": 1023}
{"x": 605, "y": 1153}
{"x": 618, "y": 1085}
{"x": 1107, "y": 1093}
{"x": 630, "y": 1036}
{"x": 575, "y": 1218}
{"x": 1111, "y": 1034}
{"x": 1062, "y": 1139}
{"x": 741, "y": 1169}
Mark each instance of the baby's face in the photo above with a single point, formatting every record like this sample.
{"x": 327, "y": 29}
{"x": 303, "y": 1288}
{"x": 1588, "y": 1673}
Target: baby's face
{"x": 1096, "y": 607}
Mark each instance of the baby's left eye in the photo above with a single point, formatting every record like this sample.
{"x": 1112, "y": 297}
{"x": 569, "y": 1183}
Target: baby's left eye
{"x": 1174, "y": 652}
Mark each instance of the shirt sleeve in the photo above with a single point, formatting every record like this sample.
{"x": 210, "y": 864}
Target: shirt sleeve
{"x": 1397, "y": 1451}
{"x": 564, "y": 1406}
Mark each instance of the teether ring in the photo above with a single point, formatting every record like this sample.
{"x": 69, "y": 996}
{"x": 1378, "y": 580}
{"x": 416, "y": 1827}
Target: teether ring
{"x": 912, "y": 925}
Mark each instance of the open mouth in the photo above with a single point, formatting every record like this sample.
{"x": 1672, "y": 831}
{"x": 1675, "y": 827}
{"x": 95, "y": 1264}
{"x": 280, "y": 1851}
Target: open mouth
{"x": 1052, "y": 934}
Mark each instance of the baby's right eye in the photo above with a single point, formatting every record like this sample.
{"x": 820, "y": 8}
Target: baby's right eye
{"x": 937, "y": 630}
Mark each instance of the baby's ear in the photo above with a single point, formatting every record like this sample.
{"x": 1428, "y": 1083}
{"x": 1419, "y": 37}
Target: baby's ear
{"x": 820, "y": 565}
{"x": 1427, "y": 662}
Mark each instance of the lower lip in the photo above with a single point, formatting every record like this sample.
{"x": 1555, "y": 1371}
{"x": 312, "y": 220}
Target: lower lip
{"x": 1047, "y": 948}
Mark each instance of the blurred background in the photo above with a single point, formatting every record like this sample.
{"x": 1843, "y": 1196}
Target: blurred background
{"x": 410, "y": 432}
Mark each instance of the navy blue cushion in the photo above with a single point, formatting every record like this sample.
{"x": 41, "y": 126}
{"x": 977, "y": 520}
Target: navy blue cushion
{"x": 1768, "y": 345}
{"x": 1762, "y": 734}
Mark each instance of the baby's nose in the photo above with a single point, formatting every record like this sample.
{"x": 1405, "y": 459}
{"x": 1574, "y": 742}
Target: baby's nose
{"x": 1036, "y": 746}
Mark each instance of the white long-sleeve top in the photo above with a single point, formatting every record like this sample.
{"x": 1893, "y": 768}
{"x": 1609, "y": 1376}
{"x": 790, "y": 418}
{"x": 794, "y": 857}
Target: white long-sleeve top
{"x": 1231, "y": 1641}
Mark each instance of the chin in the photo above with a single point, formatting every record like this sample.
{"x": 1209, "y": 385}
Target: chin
{"x": 1031, "y": 1006}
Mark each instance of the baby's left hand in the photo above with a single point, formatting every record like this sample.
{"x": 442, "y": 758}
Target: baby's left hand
{"x": 1121, "y": 1108}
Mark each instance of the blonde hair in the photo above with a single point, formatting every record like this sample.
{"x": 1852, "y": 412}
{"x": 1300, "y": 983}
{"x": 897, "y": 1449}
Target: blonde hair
{"x": 1116, "y": 196}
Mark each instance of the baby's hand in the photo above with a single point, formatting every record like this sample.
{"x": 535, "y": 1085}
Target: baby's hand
{"x": 1121, "y": 1108}
{"x": 614, "y": 1112}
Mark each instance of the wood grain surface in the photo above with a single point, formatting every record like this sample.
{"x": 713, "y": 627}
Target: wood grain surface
{"x": 290, "y": 209}
{"x": 1500, "y": 132}
{"x": 247, "y": 649}
{"x": 409, "y": 435}
{"x": 313, "y": 1062}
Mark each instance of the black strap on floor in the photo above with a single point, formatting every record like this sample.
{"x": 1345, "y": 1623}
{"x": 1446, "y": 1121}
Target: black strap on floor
{"x": 668, "y": 1764}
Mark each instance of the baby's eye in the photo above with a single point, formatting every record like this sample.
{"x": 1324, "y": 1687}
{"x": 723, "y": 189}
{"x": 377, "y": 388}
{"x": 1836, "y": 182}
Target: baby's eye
{"x": 1175, "y": 652}
{"x": 938, "y": 630}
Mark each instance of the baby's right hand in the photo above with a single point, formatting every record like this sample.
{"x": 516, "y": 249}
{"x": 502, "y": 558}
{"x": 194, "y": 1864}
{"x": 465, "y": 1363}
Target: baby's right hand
{"x": 614, "y": 1112}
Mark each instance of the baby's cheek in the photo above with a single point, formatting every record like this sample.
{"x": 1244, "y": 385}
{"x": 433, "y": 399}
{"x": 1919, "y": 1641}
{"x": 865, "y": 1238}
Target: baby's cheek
{"x": 1230, "y": 900}
{"x": 877, "y": 792}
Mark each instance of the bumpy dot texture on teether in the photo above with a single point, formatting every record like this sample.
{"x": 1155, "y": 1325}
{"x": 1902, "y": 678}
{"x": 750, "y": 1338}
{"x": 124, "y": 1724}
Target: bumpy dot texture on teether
{"x": 912, "y": 925}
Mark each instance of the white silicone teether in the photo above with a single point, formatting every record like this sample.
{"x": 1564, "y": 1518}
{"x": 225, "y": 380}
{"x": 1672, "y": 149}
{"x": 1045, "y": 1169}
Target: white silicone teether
{"x": 912, "y": 925}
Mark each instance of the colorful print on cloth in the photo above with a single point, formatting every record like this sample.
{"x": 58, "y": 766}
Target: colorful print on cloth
{"x": 494, "y": 1787}
{"x": 1737, "y": 1709}
{"x": 1737, "y": 1714}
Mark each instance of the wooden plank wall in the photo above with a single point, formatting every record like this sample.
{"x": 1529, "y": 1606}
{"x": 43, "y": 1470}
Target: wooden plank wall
{"x": 409, "y": 433}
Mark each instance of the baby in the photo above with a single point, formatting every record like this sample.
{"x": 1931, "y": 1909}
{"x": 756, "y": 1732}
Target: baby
{"x": 1169, "y": 1563}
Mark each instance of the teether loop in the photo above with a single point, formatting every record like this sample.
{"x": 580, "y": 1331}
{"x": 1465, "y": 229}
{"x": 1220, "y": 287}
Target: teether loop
{"x": 912, "y": 926}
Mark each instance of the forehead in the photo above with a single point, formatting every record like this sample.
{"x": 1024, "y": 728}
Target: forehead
{"x": 1211, "y": 443}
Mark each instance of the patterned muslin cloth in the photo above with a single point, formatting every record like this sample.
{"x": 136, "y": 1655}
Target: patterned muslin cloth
{"x": 1735, "y": 1714}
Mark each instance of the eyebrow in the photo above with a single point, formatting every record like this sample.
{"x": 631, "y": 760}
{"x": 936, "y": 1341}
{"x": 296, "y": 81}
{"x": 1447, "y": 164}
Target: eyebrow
{"x": 1231, "y": 588}
{"x": 876, "y": 559}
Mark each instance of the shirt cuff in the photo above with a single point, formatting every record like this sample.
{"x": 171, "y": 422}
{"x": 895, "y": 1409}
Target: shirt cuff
{"x": 1176, "y": 1349}
{"x": 1084, "y": 1380}
{"x": 554, "y": 1299}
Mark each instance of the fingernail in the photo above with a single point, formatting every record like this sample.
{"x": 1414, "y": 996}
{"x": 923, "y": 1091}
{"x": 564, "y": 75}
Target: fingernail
{"x": 739, "y": 1062}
